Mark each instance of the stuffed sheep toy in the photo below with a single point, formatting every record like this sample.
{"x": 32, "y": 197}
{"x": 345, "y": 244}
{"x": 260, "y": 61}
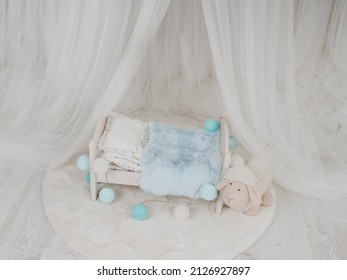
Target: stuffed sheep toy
{"x": 245, "y": 188}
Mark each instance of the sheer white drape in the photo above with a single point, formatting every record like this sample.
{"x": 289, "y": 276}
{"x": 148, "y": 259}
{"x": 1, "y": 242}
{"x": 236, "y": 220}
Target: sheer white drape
{"x": 254, "y": 46}
{"x": 64, "y": 64}
{"x": 278, "y": 68}
{"x": 337, "y": 41}
{"x": 177, "y": 76}
{"x": 310, "y": 26}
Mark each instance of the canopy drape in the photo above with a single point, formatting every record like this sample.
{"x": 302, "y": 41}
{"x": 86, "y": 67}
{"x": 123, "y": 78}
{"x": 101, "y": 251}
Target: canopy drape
{"x": 277, "y": 68}
{"x": 63, "y": 65}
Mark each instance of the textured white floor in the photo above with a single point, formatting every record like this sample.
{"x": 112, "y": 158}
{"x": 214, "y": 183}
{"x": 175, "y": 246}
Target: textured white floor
{"x": 301, "y": 229}
{"x": 108, "y": 232}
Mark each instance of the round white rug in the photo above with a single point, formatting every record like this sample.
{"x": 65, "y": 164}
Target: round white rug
{"x": 107, "y": 231}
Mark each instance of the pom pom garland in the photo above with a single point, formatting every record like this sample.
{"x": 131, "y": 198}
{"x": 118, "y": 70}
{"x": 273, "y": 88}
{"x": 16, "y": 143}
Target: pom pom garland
{"x": 139, "y": 212}
{"x": 88, "y": 178}
{"x": 83, "y": 162}
{"x": 107, "y": 195}
{"x": 208, "y": 192}
{"x": 233, "y": 143}
{"x": 181, "y": 212}
{"x": 211, "y": 125}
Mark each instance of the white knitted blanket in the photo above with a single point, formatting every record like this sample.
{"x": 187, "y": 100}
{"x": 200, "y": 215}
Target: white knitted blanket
{"x": 122, "y": 141}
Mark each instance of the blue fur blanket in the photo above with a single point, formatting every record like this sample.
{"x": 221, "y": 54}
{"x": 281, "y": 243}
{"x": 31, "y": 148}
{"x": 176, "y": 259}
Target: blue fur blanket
{"x": 178, "y": 161}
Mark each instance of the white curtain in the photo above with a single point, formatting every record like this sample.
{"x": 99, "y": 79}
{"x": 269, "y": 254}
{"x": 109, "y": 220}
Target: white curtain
{"x": 278, "y": 68}
{"x": 255, "y": 45}
{"x": 177, "y": 76}
{"x": 63, "y": 65}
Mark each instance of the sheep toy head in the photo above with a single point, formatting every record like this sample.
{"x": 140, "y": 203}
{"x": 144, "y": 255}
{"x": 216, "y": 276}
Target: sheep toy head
{"x": 244, "y": 188}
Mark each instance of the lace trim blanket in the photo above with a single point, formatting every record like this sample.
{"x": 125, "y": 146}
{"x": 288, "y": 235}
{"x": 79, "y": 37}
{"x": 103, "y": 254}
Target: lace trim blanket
{"x": 178, "y": 161}
{"x": 122, "y": 141}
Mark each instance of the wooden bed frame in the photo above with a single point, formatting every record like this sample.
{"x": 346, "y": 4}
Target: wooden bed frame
{"x": 132, "y": 178}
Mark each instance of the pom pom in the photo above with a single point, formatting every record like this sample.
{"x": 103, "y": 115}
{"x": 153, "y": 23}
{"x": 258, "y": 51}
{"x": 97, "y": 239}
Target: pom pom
{"x": 83, "y": 162}
{"x": 236, "y": 160}
{"x": 211, "y": 125}
{"x": 233, "y": 143}
{"x": 107, "y": 195}
{"x": 208, "y": 192}
{"x": 181, "y": 213}
{"x": 139, "y": 212}
{"x": 88, "y": 178}
{"x": 100, "y": 165}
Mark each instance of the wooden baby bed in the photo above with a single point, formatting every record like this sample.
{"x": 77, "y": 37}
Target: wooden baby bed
{"x": 132, "y": 178}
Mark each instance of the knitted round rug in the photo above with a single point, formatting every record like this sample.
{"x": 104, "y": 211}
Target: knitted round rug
{"x": 107, "y": 231}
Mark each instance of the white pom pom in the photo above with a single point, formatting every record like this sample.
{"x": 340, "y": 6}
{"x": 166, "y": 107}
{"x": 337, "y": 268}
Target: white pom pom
{"x": 236, "y": 160}
{"x": 181, "y": 212}
{"x": 100, "y": 165}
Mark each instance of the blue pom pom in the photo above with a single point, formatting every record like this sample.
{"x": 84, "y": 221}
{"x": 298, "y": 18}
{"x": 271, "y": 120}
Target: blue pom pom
{"x": 83, "y": 162}
{"x": 233, "y": 143}
{"x": 208, "y": 192}
{"x": 107, "y": 195}
{"x": 88, "y": 178}
{"x": 211, "y": 125}
{"x": 139, "y": 212}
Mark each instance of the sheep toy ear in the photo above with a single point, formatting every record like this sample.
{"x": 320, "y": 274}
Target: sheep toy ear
{"x": 236, "y": 160}
{"x": 254, "y": 197}
{"x": 222, "y": 184}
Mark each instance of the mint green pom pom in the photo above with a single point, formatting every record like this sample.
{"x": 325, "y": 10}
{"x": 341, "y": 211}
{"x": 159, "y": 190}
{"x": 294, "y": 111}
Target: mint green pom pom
{"x": 233, "y": 143}
{"x": 139, "y": 212}
{"x": 211, "y": 125}
{"x": 88, "y": 178}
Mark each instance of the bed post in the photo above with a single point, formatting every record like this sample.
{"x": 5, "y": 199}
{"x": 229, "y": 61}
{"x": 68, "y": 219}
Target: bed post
{"x": 224, "y": 141}
{"x": 92, "y": 156}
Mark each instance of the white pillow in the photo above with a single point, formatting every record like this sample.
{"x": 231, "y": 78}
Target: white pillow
{"x": 124, "y": 133}
{"x": 122, "y": 140}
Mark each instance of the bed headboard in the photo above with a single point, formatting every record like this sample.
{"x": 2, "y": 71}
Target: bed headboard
{"x": 224, "y": 141}
{"x": 100, "y": 128}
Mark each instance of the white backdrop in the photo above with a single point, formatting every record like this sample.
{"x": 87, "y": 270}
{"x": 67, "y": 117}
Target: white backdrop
{"x": 278, "y": 68}
{"x": 64, "y": 64}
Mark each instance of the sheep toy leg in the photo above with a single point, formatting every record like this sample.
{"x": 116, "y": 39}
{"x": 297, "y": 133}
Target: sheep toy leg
{"x": 267, "y": 199}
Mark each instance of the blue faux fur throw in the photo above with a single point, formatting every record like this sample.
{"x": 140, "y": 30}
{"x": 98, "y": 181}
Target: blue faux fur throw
{"x": 177, "y": 161}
